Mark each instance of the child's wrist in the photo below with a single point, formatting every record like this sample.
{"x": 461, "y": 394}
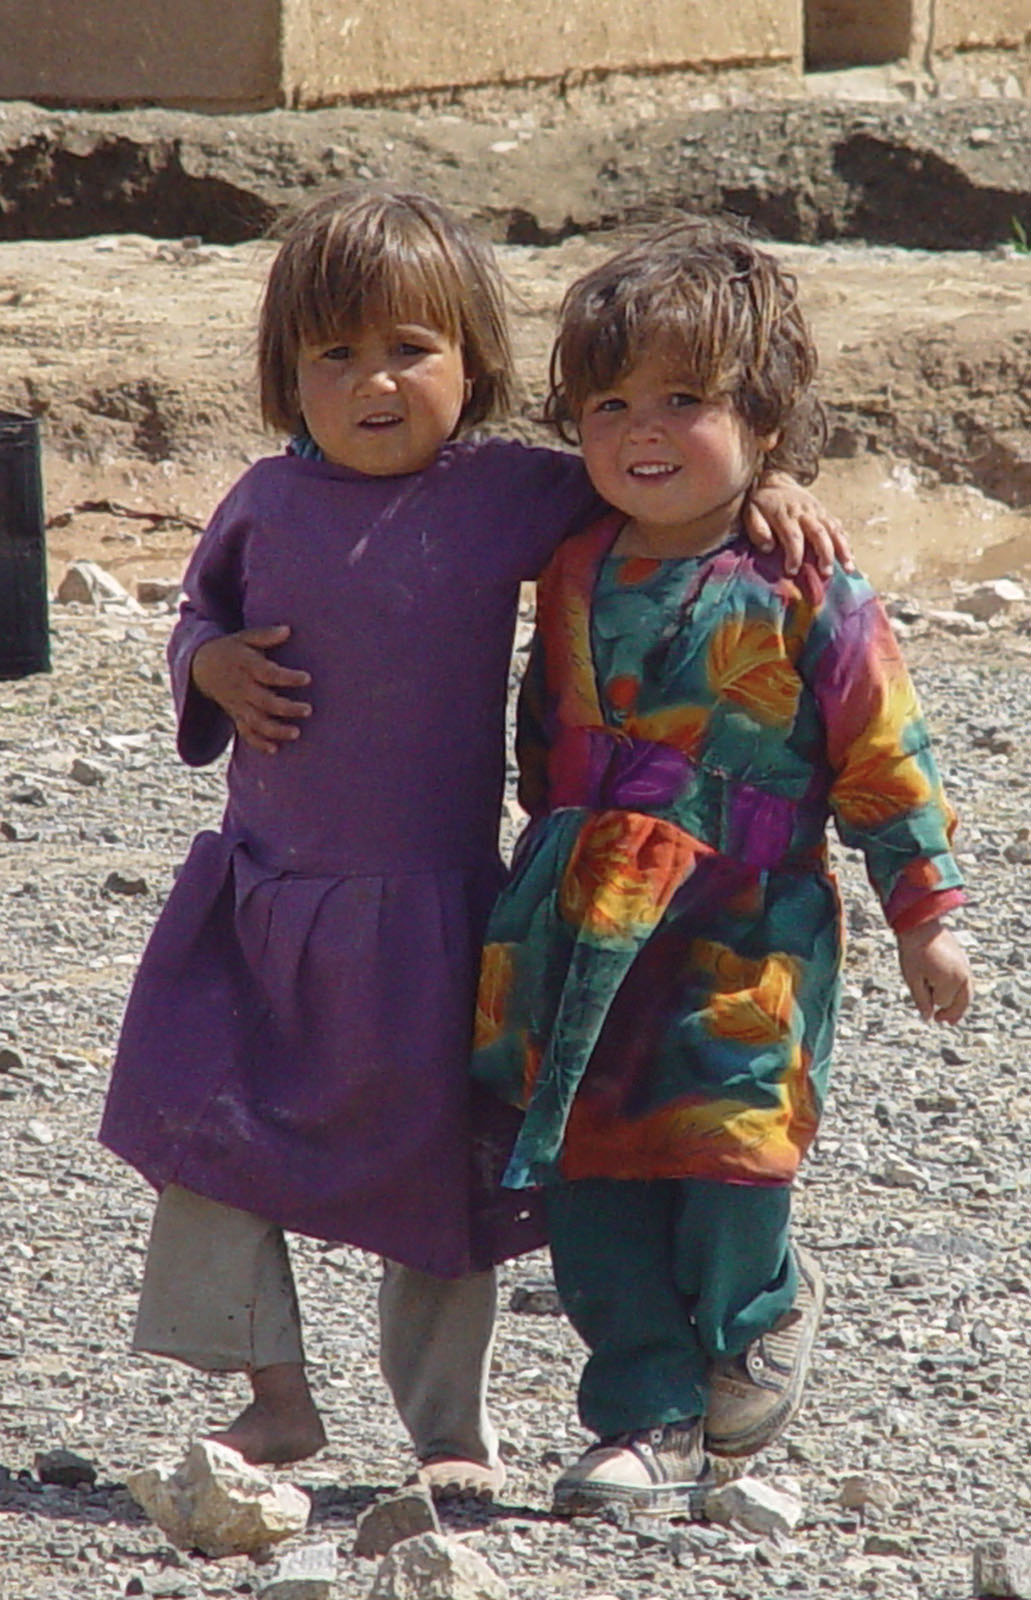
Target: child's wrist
{"x": 921, "y": 933}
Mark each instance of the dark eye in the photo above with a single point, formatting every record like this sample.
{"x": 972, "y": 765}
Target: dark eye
{"x": 612, "y": 402}
{"x": 408, "y": 347}
{"x": 336, "y": 352}
{"x": 679, "y": 399}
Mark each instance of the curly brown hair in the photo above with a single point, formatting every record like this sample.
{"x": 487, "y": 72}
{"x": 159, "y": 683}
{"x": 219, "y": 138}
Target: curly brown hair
{"x": 362, "y": 253}
{"x": 724, "y": 310}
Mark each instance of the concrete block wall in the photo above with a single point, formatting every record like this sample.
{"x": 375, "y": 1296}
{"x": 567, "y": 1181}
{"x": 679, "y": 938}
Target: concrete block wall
{"x": 975, "y": 25}
{"x": 363, "y": 47}
{"x": 847, "y": 33}
{"x": 132, "y": 52}
{"x": 254, "y": 54}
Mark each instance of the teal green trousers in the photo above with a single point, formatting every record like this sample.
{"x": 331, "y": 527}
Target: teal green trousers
{"x": 660, "y": 1278}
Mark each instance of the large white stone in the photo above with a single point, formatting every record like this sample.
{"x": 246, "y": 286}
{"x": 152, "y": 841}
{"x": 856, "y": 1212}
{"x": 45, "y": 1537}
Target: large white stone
{"x": 216, "y": 1502}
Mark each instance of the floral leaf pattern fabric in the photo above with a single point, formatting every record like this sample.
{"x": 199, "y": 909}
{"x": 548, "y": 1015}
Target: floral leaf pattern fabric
{"x": 660, "y": 981}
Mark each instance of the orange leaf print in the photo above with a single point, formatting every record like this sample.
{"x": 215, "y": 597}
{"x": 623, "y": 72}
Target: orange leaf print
{"x": 870, "y": 792}
{"x": 721, "y": 1140}
{"x": 683, "y": 727}
{"x": 623, "y": 872}
{"x": 747, "y": 664}
{"x": 497, "y": 969}
{"x": 878, "y": 780}
{"x": 752, "y": 1001}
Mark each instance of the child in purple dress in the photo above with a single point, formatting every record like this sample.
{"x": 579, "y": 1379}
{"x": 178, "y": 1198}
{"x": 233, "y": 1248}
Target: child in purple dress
{"x": 294, "y": 1050}
{"x": 660, "y": 980}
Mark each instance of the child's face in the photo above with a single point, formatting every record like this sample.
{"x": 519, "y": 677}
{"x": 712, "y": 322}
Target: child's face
{"x": 384, "y": 402}
{"x": 679, "y": 467}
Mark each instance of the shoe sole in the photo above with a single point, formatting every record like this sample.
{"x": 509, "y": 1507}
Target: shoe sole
{"x": 587, "y": 1500}
{"x": 749, "y": 1442}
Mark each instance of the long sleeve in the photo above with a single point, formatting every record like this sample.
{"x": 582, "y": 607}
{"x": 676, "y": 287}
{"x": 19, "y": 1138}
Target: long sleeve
{"x": 211, "y": 607}
{"x": 886, "y": 793}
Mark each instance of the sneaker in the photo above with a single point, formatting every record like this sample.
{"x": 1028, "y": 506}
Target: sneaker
{"x": 753, "y": 1396}
{"x": 651, "y": 1469}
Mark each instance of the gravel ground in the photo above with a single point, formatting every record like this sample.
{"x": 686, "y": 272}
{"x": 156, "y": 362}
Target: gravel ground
{"x": 915, "y": 1201}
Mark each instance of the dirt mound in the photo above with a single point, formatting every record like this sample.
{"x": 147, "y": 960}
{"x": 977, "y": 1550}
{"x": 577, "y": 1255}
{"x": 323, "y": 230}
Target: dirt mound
{"x": 956, "y": 175}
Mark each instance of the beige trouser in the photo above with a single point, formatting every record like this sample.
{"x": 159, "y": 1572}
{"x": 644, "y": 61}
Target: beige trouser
{"x": 218, "y": 1293}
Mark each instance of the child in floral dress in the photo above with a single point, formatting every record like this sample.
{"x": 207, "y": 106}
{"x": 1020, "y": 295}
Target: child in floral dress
{"x": 660, "y": 980}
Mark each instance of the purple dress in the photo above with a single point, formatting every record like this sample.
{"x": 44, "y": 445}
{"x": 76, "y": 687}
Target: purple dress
{"x": 296, "y": 1041}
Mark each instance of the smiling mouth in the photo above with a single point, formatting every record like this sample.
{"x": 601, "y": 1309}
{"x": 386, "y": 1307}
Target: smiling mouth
{"x": 652, "y": 469}
{"x": 380, "y": 419}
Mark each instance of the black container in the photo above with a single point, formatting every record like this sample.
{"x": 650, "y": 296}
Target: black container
{"x": 24, "y": 631}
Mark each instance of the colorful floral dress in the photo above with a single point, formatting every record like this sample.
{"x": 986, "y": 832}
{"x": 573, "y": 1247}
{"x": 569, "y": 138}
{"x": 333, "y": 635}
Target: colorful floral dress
{"x": 660, "y": 980}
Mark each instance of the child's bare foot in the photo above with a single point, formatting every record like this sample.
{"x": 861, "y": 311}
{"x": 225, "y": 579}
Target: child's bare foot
{"x": 281, "y": 1424}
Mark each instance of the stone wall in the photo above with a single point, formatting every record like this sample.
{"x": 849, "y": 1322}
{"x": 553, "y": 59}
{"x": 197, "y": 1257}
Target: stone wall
{"x": 260, "y": 53}
{"x": 130, "y": 52}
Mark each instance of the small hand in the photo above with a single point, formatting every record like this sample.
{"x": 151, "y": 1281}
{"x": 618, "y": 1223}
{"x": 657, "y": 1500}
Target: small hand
{"x": 937, "y": 972}
{"x": 235, "y": 672}
{"x": 781, "y": 512}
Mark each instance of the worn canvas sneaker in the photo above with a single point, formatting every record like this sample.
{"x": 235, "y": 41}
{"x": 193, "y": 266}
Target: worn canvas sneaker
{"x": 651, "y": 1469}
{"x": 753, "y": 1396}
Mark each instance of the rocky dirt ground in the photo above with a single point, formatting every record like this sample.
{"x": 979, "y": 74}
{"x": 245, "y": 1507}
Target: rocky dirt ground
{"x": 135, "y": 350}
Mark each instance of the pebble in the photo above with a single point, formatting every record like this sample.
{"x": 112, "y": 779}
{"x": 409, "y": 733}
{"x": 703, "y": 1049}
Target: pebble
{"x": 946, "y": 1417}
{"x": 539, "y": 1301}
{"x": 85, "y": 772}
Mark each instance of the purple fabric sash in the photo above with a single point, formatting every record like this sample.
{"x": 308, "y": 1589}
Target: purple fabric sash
{"x": 603, "y": 769}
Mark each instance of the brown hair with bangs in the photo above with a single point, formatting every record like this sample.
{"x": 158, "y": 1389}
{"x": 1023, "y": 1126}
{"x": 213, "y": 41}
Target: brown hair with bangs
{"x": 723, "y": 311}
{"x": 367, "y": 253}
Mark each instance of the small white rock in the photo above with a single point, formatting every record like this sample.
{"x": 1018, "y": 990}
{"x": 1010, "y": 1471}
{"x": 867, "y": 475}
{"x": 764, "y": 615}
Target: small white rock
{"x": 391, "y": 1521}
{"x": 431, "y": 1567}
{"x": 901, "y": 1174}
{"x": 957, "y": 622}
{"x": 86, "y": 773}
{"x": 753, "y": 1505}
{"x": 304, "y": 1574}
{"x": 862, "y": 1490}
{"x": 89, "y": 584}
{"x": 1003, "y": 1567}
{"x": 36, "y": 1132}
{"x": 987, "y": 600}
